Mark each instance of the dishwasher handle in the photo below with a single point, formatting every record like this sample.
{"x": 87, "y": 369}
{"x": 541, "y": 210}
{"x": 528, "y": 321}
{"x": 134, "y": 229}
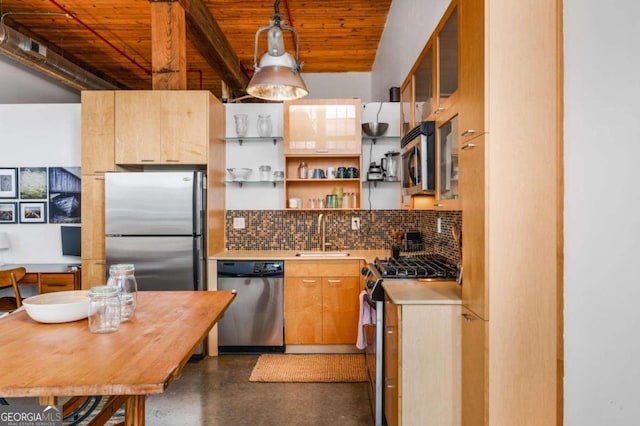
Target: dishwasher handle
{"x": 251, "y": 268}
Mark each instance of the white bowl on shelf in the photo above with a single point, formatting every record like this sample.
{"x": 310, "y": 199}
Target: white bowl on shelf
{"x": 59, "y": 306}
{"x": 239, "y": 174}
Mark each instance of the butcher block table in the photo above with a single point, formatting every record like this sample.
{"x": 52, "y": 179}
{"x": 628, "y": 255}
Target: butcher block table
{"x": 143, "y": 357}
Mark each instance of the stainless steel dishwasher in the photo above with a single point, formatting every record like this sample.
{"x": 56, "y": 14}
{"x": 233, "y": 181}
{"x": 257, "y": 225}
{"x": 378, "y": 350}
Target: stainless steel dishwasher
{"x": 255, "y": 320}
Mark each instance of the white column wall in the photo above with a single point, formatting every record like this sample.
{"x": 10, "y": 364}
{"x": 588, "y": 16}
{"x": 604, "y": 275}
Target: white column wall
{"x": 602, "y": 213}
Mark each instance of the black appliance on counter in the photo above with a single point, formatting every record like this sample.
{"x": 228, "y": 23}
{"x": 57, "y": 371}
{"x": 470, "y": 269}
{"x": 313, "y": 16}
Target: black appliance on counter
{"x": 425, "y": 267}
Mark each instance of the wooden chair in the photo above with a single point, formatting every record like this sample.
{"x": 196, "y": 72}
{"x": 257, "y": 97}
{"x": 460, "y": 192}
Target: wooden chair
{"x": 10, "y": 278}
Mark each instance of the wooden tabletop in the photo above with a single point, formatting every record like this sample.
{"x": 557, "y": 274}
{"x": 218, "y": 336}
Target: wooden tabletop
{"x": 142, "y": 357}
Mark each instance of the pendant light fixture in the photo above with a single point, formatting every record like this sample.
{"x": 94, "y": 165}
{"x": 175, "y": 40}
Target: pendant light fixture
{"x": 277, "y": 77}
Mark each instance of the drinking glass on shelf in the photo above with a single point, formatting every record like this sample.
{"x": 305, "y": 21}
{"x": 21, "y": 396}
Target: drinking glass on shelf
{"x": 242, "y": 124}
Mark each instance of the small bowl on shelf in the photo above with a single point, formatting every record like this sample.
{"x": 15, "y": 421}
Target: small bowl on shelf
{"x": 239, "y": 174}
{"x": 374, "y": 128}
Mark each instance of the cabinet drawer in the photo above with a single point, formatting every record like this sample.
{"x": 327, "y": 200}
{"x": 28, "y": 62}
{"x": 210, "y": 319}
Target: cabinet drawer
{"x": 29, "y": 279}
{"x": 331, "y": 268}
{"x": 56, "y": 282}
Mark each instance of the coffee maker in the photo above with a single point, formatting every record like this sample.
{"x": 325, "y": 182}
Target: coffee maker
{"x": 389, "y": 164}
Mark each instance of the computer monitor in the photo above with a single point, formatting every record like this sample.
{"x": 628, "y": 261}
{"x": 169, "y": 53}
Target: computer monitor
{"x": 70, "y": 240}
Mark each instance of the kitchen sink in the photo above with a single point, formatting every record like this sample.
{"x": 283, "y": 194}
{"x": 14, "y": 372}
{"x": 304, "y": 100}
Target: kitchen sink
{"x": 322, "y": 254}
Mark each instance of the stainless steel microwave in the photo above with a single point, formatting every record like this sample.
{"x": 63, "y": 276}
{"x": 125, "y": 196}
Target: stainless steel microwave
{"x": 418, "y": 150}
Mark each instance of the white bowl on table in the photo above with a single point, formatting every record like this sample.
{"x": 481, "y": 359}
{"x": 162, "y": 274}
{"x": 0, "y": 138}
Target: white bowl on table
{"x": 59, "y": 306}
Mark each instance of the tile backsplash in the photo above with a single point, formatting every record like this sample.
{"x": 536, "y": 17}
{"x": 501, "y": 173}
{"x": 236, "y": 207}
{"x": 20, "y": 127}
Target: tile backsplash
{"x": 298, "y": 230}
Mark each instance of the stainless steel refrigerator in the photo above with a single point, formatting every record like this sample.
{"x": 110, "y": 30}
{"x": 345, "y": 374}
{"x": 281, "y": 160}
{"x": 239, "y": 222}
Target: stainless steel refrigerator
{"x": 155, "y": 220}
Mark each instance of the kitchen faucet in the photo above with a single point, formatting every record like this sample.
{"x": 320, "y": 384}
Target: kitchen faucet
{"x": 321, "y": 232}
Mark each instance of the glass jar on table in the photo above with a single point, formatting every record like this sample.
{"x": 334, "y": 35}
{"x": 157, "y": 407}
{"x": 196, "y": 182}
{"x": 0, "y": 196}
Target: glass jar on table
{"x": 123, "y": 278}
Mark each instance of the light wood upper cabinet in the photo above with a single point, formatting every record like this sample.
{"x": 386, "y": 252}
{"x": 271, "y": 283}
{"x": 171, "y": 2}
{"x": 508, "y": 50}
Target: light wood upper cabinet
{"x": 424, "y": 84}
{"x": 406, "y": 106}
{"x": 322, "y": 127}
{"x": 161, "y": 127}
{"x": 448, "y": 57}
{"x": 472, "y": 71}
{"x": 185, "y": 126}
{"x": 97, "y": 131}
{"x": 322, "y": 133}
{"x": 472, "y": 183}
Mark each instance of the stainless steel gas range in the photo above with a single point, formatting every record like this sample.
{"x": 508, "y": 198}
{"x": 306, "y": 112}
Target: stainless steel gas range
{"x": 420, "y": 267}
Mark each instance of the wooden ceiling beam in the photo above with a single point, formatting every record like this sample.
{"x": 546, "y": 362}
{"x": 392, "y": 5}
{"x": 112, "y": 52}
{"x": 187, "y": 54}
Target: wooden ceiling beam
{"x": 169, "y": 46}
{"x": 207, "y": 37}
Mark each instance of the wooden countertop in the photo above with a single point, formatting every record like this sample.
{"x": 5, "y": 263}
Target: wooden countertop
{"x": 366, "y": 255}
{"x": 142, "y": 357}
{"x": 416, "y": 292}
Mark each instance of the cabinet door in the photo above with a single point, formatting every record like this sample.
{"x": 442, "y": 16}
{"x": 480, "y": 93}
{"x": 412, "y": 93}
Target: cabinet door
{"x": 406, "y": 106}
{"x": 447, "y": 48}
{"x": 472, "y": 117}
{"x": 303, "y": 310}
{"x": 94, "y": 272}
{"x": 391, "y": 363}
{"x": 185, "y": 127}
{"x": 423, "y": 81}
{"x": 137, "y": 127}
{"x": 474, "y": 370}
{"x": 340, "y": 310}
{"x": 56, "y": 282}
{"x": 98, "y": 131}
{"x": 322, "y": 127}
{"x": 92, "y": 217}
{"x": 472, "y": 189}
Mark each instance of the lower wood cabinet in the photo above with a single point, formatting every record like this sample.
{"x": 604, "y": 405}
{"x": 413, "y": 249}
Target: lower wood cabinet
{"x": 321, "y": 303}
{"x": 474, "y": 370}
{"x": 94, "y": 272}
{"x": 422, "y": 364}
{"x": 49, "y": 282}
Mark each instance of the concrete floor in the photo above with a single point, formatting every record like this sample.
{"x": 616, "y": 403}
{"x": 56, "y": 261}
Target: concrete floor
{"x": 217, "y": 391}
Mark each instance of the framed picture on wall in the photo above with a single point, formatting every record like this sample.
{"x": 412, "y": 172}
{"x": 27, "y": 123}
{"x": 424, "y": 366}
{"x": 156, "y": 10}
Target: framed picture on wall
{"x": 33, "y": 183}
{"x": 34, "y": 212}
{"x": 8, "y": 213}
{"x": 8, "y": 183}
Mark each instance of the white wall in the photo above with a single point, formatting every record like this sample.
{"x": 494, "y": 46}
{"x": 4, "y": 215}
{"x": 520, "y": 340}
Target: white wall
{"x": 602, "y": 213}
{"x": 38, "y": 135}
{"x": 23, "y": 85}
{"x": 339, "y": 85}
{"x": 408, "y": 28}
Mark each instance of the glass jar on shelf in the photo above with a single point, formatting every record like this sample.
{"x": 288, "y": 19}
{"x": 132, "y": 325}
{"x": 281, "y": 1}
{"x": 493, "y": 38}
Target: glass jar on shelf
{"x": 303, "y": 170}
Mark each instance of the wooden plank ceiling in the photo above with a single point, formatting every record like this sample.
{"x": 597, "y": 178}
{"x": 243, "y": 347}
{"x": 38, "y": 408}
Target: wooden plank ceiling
{"x": 112, "y": 38}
